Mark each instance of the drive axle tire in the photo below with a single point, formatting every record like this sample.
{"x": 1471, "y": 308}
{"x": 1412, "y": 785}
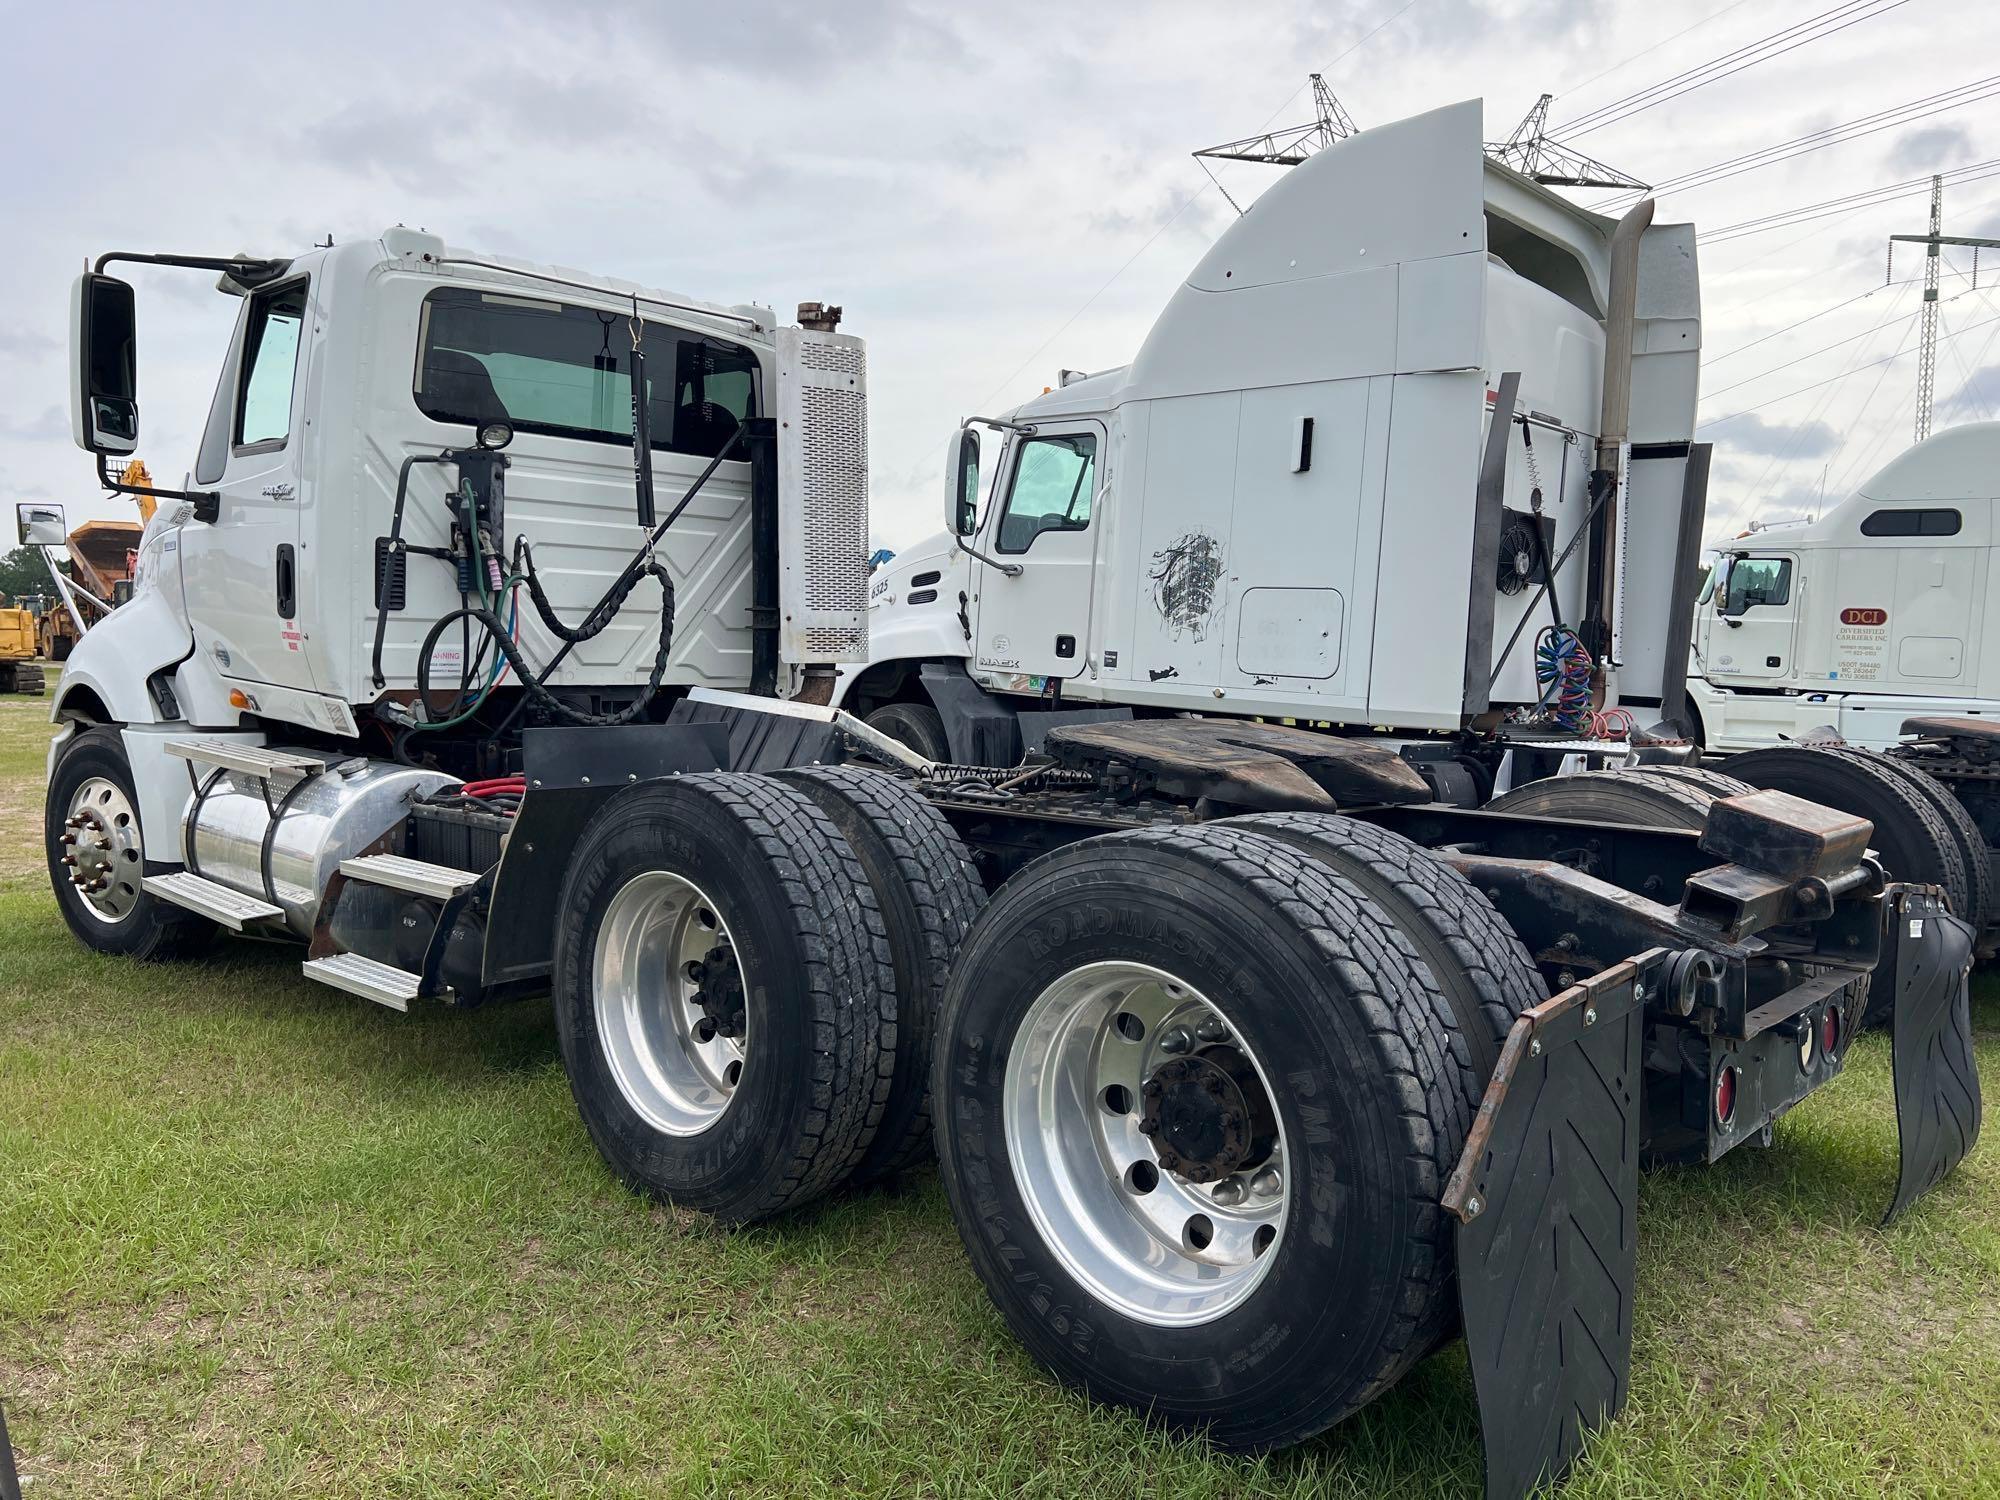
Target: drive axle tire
{"x": 1197, "y": 1098}
{"x": 1631, "y": 799}
{"x": 917, "y": 725}
{"x": 723, "y": 994}
{"x": 1972, "y": 846}
{"x": 1911, "y": 838}
{"x": 923, "y": 880}
{"x": 1479, "y": 963}
{"x": 91, "y": 817}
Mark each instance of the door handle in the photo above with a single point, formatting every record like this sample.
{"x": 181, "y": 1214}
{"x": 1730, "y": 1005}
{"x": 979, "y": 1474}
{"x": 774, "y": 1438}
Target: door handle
{"x": 287, "y": 572}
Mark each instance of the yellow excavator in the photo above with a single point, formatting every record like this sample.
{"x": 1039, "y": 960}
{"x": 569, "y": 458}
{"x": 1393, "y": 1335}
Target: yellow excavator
{"x": 101, "y": 557}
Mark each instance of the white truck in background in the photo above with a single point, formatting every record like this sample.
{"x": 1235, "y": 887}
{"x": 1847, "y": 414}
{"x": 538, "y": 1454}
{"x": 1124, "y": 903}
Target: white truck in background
{"x": 1314, "y": 493}
{"x": 1875, "y": 613}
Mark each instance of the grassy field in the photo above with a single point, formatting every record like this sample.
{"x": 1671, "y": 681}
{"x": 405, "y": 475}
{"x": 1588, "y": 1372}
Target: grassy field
{"x": 260, "y": 1239}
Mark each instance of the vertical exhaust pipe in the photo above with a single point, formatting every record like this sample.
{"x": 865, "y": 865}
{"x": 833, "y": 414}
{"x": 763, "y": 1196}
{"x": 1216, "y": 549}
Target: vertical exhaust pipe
{"x": 1613, "y": 428}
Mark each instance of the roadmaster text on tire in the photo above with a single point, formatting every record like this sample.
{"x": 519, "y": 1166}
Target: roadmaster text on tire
{"x": 923, "y": 881}
{"x": 1484, "y": 971}
{"x": 96, "y": 854}
{"x": 723, "y": 994}
{"x": 917, "y": 725}
{"x": 1196, "y": 1100}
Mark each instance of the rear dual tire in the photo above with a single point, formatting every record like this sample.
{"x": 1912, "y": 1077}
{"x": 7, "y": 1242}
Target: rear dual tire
{"x": 1312, "y": 991}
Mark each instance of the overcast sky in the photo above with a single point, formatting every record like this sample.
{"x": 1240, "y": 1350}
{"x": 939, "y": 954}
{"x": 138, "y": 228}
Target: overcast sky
{"x": 968, "y": 180}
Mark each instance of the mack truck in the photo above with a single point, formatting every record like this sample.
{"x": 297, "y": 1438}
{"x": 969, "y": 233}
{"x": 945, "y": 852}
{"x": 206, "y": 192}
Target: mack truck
{"x": 490, "y": 651}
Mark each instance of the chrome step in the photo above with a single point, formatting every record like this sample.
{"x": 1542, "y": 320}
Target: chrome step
{"x": 418, "y": 877}
{"x": 251, "y": 760}
{"x": 385, "y": 985}
{"x": 211, "y": 899}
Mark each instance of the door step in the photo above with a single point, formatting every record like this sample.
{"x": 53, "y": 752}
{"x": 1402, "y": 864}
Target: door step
{"x": 250, "y": 760}
{"x": 211, "y": 899}
{"x": 379, "y": 982}
{"x": 418, "y": 877}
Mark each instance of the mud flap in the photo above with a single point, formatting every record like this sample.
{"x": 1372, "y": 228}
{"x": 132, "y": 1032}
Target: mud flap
{"x": 10, "y": 1481}
{"x": 1928, "y": 952}
{"x": 1546, "y": 1195}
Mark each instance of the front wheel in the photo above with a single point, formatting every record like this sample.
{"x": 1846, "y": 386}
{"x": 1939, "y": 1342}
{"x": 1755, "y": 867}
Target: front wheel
{"x": 97, "y": 855}
{"x": 1196, "y": 1101}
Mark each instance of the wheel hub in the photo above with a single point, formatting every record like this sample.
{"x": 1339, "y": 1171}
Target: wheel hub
{"x": 720, "y": 997}
{"x": 1207, "y": 1115}
{"x": 101, "y": 852}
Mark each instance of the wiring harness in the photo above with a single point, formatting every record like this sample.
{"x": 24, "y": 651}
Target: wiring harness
{"x": 1562, "y": 678}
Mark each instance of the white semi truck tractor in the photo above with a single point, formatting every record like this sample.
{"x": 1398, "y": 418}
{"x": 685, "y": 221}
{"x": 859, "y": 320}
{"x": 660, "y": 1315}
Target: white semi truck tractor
{"x": 1824, "y": 650}
{"x": 487, "y": 653}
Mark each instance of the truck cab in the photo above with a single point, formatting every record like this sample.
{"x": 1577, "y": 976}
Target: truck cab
{"x": 1871, "y": 614}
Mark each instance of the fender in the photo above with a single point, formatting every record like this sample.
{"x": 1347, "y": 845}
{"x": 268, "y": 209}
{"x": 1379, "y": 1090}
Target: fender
{"x": 118, "y": 654}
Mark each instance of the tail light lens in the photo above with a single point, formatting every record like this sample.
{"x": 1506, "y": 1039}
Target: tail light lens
{"x": 1725, "y": 1095}
{"x": 1829, "y": 1031}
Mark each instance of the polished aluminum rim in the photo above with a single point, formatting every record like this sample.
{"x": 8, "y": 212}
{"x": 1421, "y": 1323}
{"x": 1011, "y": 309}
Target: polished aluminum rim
{"x": 101, "y": 849}
{"x": 1110, "y": 1200}
{"x": 664, "y": 969}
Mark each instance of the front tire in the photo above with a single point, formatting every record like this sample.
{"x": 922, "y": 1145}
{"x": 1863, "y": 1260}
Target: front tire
{"x": 1196, "y": 1100}
{"x": 96, "y": 853}
{"x": 723, "y": 995}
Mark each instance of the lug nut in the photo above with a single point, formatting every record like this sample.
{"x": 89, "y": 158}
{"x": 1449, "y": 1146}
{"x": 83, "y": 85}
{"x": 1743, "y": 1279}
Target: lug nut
{"x": 70, "y": 860}
{"x": 1212, "y": 1030}
{"x": 1149, "y": 1127}
{"x": 1229, "y": 1192}
{"x": 1266, "y": 1183}
{"x": 1151, "y": 1088}
{"x": 1176, "y": 1041}
{"x": 69, "y": 838}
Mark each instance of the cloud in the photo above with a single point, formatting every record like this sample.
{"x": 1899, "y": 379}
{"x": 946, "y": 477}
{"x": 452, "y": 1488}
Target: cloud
{"x": 1932, "y": 149}
{"x": 50, "y": 427}
{"x": 1750, "y": 433}
{"x": 24, "y": 343}
{"x": 1976, "y": 400}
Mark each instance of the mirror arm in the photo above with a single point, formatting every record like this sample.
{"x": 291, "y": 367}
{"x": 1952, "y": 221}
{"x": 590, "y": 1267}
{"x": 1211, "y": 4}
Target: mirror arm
{"x": 1011, "y": 570}
{"x": 207, "y": 503}
{"x": 241, "y": 269}
{"x": 1026, "y": 429}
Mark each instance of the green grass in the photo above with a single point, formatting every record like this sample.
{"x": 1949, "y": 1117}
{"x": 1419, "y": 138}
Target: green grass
{"x": 259, "y": 1239}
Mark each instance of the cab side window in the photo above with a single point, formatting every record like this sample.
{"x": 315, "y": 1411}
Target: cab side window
{"x": 1757, "y": 580}
{"x": 1911, "y": 523}
{"x": 270, "y": 367}
{"x": 1055, "y": 478}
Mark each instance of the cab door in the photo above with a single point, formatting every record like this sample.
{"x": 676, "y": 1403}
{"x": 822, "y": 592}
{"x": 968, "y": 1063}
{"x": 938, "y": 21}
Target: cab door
{"x": 242, "y": 571}
{"x": 1035, "y": 623}
{"x": 1757, "y": 617}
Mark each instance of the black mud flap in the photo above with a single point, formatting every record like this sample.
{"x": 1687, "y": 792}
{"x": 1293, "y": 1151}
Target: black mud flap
{"x": 1928, "y": 953}
{"x": 10, "y": 1481}
{"x": 1546, "y": 1196}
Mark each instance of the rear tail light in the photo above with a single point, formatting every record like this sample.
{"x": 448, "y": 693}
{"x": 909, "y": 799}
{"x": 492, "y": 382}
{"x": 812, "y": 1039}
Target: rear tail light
{"x": 1829, "y": 1031}
{"x": 1725, "y": 1095}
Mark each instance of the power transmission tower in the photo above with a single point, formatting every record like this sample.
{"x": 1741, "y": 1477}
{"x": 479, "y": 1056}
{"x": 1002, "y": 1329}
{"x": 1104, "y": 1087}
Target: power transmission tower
{"x": 1927, "y": 344}
{"x": 1530, "y": 152}
{"x": 1293, "y": 144}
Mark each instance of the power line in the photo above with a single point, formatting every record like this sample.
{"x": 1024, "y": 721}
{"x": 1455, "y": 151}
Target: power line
{"x": 1817, "y": 140}
{"x": 1809, "y": 317}
{"x": 1718, "y": 421}
{"x": 1577, "y": 88}
{"x": 1825, "y": 349}
{"x": 1888, "y": 192}
{"x": 1789, "y": 39}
